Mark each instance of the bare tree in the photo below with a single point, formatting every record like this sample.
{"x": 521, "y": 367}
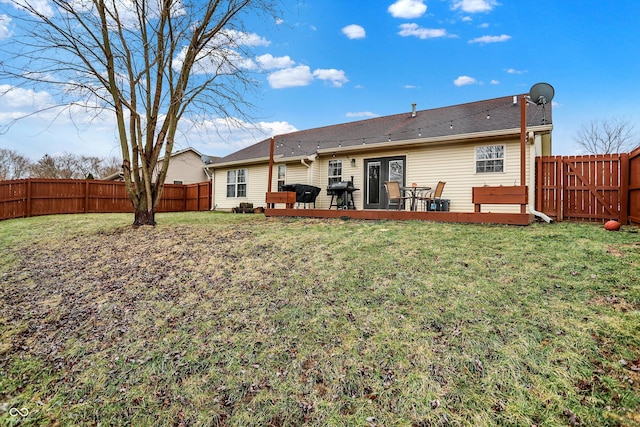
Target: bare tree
{"x": 13, "y": 165}
{"x": 607, "y": 136}
{"x": 152, "y": 63}
{"x": 108, "y": 166}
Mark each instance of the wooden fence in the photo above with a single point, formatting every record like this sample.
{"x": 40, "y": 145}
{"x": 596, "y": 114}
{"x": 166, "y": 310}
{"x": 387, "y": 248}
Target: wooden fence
{"x": 634, "y": 186}
{"x": 589, "y": 188}
{"x": 33, "y": 197}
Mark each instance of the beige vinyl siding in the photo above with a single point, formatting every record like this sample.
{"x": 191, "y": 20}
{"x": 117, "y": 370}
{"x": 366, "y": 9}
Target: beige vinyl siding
{"x": 452, "y": 163}
{"x": 297, "y": 173}
{"x": 257, "y": 177}
{"x": 186, "y": 167}
{"x": 321, "y": 178}
{"x": 456, "y": 166}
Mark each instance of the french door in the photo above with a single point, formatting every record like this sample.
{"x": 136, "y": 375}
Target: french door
{"x": 377, "y": 171}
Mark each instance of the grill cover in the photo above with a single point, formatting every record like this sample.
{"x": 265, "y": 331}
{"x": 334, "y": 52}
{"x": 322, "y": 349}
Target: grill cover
{"x": 304, "y": 193}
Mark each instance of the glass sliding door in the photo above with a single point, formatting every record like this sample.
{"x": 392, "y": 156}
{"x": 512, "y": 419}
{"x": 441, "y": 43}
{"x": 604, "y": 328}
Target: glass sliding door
{"x": 373, "y": 183}
{"x": 378, "y": 171}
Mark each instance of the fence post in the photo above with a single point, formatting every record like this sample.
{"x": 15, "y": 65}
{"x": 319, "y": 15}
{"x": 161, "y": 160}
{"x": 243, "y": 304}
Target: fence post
{"x": 27, "y": 214}
{"x": 624, "y": 188}
{"x": 86, "y": 196}
{"x": 184, "y": 197}
{"x": 561, "y": 184}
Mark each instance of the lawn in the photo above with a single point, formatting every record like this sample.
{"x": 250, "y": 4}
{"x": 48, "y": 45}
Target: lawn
{"x": 214, "y": 319}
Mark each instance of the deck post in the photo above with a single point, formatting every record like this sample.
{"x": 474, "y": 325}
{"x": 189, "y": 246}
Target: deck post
{"x": 523, "y": 145}
{"x": 271, "y": 150}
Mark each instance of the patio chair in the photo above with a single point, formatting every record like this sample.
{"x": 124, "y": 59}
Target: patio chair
{"x": 394, "y": 195}
{"x": 432, "y": 196}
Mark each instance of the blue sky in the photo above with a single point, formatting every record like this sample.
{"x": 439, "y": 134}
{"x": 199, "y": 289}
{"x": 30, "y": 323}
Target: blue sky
{"x": 333, "y": 61}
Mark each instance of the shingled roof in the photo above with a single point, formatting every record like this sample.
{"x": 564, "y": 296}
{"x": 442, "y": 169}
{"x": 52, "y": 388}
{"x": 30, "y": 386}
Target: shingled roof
{"x": 476, "y": 117}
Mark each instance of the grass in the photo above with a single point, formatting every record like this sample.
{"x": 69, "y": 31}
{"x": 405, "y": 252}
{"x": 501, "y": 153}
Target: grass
{"x": 239, "y": 320}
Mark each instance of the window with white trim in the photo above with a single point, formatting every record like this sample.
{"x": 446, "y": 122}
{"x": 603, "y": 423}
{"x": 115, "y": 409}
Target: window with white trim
{"x": 335, "y": 171}
{"x": 237, "y": 183}
{"x": 490, "y": 158}
{"x": 282, "y": 176}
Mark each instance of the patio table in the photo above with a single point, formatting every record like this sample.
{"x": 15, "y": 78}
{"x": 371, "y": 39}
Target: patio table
{"x": 414, "y": 191}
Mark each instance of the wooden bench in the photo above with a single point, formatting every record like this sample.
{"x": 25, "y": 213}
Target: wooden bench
{"x": 507, "y": 195}
{"x": 286, "y": 197}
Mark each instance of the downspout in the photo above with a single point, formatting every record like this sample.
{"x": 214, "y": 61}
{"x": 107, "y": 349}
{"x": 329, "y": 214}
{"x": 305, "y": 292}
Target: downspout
{"x": 535, "y": 151}
{"x": 213, "y": 194}
{"x": 523, "y": 154}
{"x": 311, "y": 158}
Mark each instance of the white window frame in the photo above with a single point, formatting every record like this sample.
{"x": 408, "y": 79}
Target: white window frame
{"x": 237, "y": 187}
{"x": 486, "y": 159}
{"x": 333, "y": 167}
{"x": 282, "y": 177}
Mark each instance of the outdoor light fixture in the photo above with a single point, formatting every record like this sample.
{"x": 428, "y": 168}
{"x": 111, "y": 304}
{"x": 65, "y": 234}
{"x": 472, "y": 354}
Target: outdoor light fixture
{"x": 353, "y": 163}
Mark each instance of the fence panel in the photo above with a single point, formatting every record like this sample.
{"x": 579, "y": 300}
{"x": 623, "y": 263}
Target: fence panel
{"x": 108, "y": 196}
{"x": 592, "y": 187}
{"x": 13, "y": 199}
{"x": 634, "y": 186}
{"x": 588, "y": 188}
{"x": 549, "y": 186}
{"x": 198, "y": 196}
{"x": 33, "y": 197}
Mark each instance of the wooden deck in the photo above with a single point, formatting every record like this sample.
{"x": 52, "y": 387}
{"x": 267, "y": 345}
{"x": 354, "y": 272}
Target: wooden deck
{"x": 459, "y": 217}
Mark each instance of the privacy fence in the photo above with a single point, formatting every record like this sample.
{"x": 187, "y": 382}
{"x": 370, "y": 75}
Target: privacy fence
{"x": 33, "y": 197}
{"x": 589, "y": 188}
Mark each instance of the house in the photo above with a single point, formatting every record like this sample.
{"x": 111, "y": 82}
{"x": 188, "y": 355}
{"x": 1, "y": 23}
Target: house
{"x": 185, "y": 167}
{"x": 469, "y": 145}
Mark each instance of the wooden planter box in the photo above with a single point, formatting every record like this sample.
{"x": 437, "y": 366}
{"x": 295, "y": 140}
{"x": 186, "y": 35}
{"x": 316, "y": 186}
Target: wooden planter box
{"x": 508, "y": 195}
{"x": 286, "y": 197}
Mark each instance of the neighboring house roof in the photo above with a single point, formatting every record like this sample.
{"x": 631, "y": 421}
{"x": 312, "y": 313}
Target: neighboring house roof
{"x": 205, "y": 160}
{"x": 497, "y": 114}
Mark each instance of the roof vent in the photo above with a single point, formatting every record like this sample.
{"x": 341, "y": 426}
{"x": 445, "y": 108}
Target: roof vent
{"x": 413, "y": 109}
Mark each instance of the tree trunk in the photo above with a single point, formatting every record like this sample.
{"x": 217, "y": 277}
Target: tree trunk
{"x": 144, "y": 216}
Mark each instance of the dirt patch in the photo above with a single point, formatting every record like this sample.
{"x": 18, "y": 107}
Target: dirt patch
{"x": 94, "y": 287}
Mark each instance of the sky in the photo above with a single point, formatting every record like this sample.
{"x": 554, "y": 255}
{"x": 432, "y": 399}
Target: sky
{"x": 327, "y": 62}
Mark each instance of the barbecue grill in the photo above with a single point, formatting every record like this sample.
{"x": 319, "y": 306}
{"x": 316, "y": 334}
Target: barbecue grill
{"x": 304, "y": 193}
{"x": 341, "y": 195}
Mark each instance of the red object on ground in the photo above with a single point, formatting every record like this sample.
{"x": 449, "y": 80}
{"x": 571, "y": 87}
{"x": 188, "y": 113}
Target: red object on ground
{"x": 612, "y": 225}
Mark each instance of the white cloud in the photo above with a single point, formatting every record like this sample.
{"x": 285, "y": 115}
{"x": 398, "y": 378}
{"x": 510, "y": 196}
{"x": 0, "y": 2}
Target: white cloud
{"x": 17, "y": 100}
{"x": 219, "y": 60}
{"x": 407, "y": 30}
{"x": 240, "y": 38}
{"x": 494, "y": 82}
{"x": 354, "y": 31}
{"x": 220, "y": 136}
{"x": 514, "y": 71}
{"x": 464, "y": 81}
{"x": 474, "y": 6}
{"x": 407, "y": 9}
{"x": 290, "y": 77}
{"x": 5, "y": 31}
{"x": 302, "y": 76}
{"x": 336, "y": 77}
{"x": 491, "y": 39}
{"x": 359, "y": 114}
{"x": 40, "y": 6}
{"x": 270, "y": 62}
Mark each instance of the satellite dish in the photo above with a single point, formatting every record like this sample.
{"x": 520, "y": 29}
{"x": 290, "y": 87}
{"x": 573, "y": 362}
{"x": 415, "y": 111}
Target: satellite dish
{"x": 541, "y": 93}
{"x": 207, "y": 160}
